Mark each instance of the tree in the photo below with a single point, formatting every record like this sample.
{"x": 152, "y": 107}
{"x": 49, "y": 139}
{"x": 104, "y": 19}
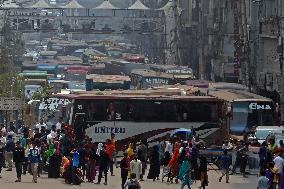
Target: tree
{"x": 11, "y": 84}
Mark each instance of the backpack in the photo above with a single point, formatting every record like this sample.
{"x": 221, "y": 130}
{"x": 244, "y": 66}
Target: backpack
{"x": 133, "y": 185}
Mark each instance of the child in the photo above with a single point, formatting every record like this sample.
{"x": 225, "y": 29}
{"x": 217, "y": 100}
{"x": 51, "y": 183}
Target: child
{"x": 226, "y": 162}
{"x": 263, "y": 182}
{"x": 132, "y": 183}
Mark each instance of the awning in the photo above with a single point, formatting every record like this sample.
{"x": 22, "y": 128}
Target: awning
{"x": 106, "y": 5}
{"x": 73, "y": 5}
{"x": 41, "y": 4}
{"x": 138, "y": 5}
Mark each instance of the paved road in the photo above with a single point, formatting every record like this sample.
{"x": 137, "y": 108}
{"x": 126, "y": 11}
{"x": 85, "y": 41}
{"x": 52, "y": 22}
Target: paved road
{"x": 7, "y": 182}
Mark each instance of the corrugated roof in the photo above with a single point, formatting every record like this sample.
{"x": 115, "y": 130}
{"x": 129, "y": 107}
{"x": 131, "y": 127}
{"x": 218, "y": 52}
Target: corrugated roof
{"x": 138, "y": 5}
{"x": 233, "y": 95}
{"x": 73, "y": 5}
{"x": 106, "y": 5}
{"x": 167, "y": 6}
{"x": 41, "y": 4}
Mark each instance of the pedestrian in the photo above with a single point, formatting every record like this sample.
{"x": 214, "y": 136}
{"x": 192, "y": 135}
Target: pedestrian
{"x": 225, "y": 163}
{"x": 142, "y": 156}
{"x": 281, "y": 179}
{"x": 279, "y": 163}
{"x": 2, "y": 157}
{"x": 165, "y": 163}
{"x": 154, "y": 170}
{"x": 262, "y": 156}
{"x": 92, "y": 165}
{"x": 124, "y": 169}
{"x": 132, "y": 183}
{"x": 203, "y": 172}
{"x": 271, "y": 174}
{"x": 136, "y": 167}
{"x": 263, "y": 181}
{"x": 82, "y": 158}
{"x": 104, "y": 162}
{"x": 184, "y": 173}
{"x": 75, "y": 164}
{"x": 34, "y": 158}
{"x": 110, "y": 149}
{"x": 19, "y": 158}
{"x": 243, "y": 160}
{"x": 113, "y": 142}
{"x": 173, "y": 164}
{"x": 26, "y": 160}
{"x": 10, "y": 145}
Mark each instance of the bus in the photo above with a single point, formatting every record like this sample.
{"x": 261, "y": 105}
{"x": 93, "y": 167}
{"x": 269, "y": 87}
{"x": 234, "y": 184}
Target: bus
{"x": 105, "y": 82}
{"x": 137, "y": 115}
{"x": 49, "y": 68}
{"x": 246, "y": 110}
{"x": 180, "y": 73}
{"x": 34, "y": 74}
{"x": 143, "y": 79}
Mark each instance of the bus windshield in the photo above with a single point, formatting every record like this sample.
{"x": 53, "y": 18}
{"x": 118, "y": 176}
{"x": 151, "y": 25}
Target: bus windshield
{"x": 249, "y": 114}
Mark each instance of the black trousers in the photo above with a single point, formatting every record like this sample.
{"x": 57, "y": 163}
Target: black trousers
{"x": 111, "y": 167}
{"x": 101, "y": 170}
{"x": 123, "y": 180}
{"x": 25, "y": 165}
{"x": 19, "y": 168}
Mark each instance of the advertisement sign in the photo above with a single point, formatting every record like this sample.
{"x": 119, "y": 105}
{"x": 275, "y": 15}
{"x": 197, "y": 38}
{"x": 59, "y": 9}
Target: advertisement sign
{"x": 10, "y": 103}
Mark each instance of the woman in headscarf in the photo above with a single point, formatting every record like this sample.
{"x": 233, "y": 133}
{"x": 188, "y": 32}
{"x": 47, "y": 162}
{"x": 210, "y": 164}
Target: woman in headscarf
{"x": 154, "y": 164}
{"x": 130, "y": 151}
{"x": 130, "y": 156}
{"x": 50, "y": 155}
{"x": 173, "y": 164}
{"x": 184, "y": 173}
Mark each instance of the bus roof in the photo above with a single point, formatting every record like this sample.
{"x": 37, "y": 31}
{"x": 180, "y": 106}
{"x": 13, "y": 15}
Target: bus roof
{"x": 238, "y": 96}
{"x": 108, "y": 78}
{"x": 151, "y": 73}
{"x": 170, "y": 93}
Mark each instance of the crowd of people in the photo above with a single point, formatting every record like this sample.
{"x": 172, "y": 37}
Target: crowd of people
{"x": 59, "y": 153}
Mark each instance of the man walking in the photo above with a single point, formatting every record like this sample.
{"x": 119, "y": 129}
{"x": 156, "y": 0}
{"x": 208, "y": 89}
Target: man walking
{"x": 10, "y": 145}
{"x": 34, "y": 158}
{"x": 124, "y": 169}
{"x": 104, "y": 162}
{"x": 19, "y": 157}
{"x": 110, "y": 149}
{"x": 226, "y": 162}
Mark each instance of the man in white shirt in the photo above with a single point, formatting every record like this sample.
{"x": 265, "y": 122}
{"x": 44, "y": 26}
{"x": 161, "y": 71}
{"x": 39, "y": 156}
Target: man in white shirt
{"x": 279, "y": 163}
{"x": 59, "y": 124}
{"x": 41, "y": 124}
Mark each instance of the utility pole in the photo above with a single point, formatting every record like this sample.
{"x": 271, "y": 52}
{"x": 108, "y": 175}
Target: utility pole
{"x": 201, "y": 42}
{"x": 281, "y": 54}
{"x": 246, "y": 49}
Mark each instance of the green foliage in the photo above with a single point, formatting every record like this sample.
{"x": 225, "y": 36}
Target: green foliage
{"x": 43, "y": 94}
{"x": 11, "y": 84}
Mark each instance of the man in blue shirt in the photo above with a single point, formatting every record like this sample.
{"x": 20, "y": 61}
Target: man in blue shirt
{"x": 226, "y": 162}
{"x": 75, "y": 165}
{"x": 34, "y": 158}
